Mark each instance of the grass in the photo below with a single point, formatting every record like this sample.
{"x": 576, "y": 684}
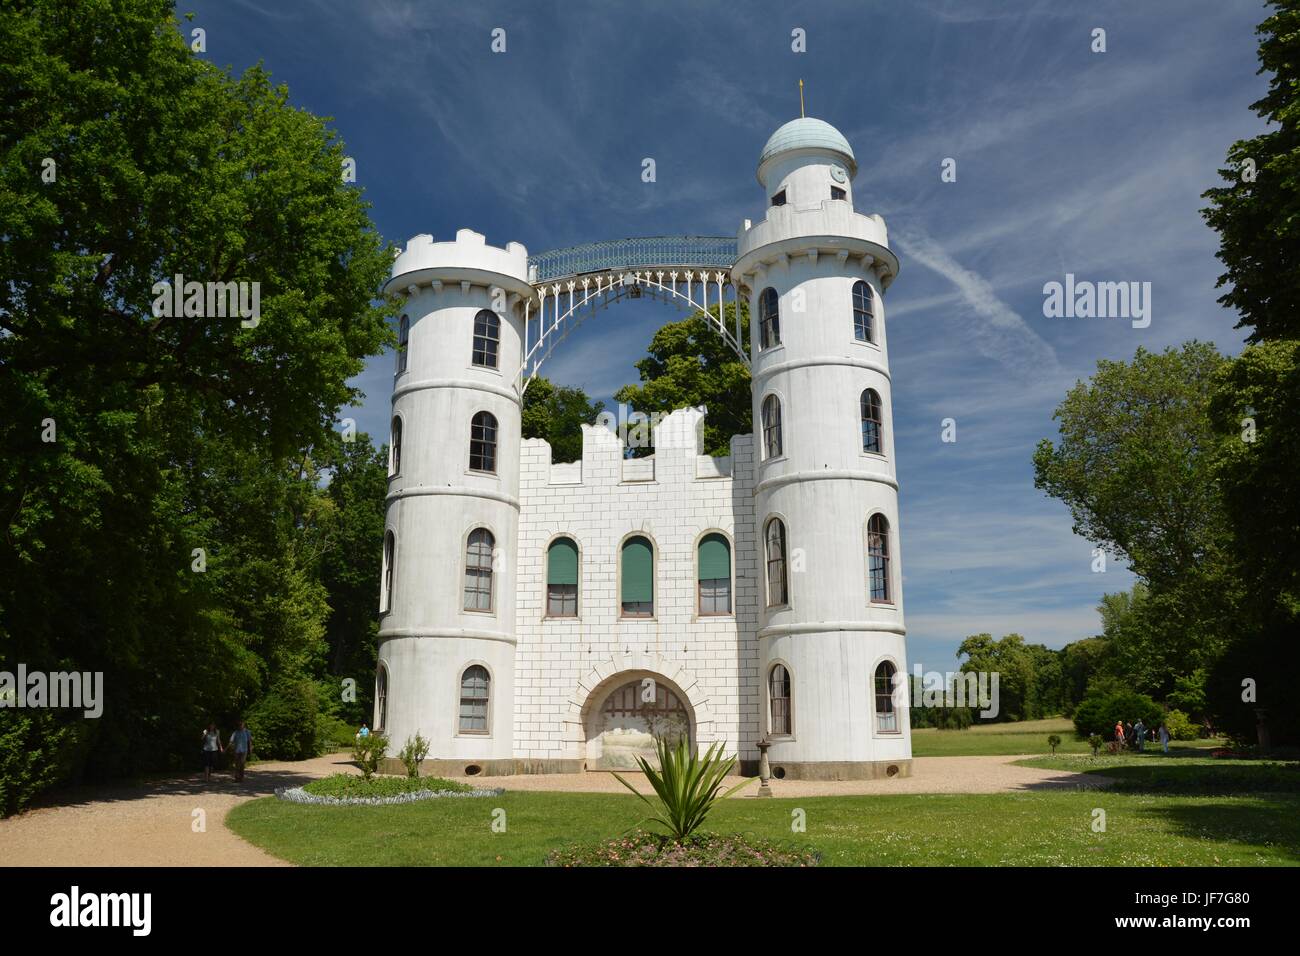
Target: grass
{"x": 1031, "y": 828}
{"x": 350, "y": 785}
{"x": 1025, "y": 737}
{"x": 1180, "y": 773}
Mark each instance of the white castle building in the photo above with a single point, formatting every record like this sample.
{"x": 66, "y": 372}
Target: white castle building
{"x": 540, "y": 617}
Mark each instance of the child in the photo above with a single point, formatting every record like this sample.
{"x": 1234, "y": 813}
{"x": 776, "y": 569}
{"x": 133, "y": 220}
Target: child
{"x": 211, "y": 747}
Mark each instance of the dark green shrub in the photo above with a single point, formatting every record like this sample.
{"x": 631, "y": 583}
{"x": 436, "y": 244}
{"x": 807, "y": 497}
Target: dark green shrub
{"x": 1097, "y": 714}
{"x": 1095, "y": 741}
{"x": 37, "y": 750}
{"x": 284, "y": 721}
{"x": 1054, "y": 741}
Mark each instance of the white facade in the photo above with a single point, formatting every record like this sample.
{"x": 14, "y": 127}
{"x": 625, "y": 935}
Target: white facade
{"x": 553, "y": 687}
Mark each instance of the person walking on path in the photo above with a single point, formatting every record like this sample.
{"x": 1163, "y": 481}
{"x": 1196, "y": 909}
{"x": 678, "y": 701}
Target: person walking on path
{"x": 1164, "y": 737}
{"x": 1140, "y": 732}
{"x": 364, "y": 731}
{"x": 241, "y": 743}
{"x": 211, "y": 748}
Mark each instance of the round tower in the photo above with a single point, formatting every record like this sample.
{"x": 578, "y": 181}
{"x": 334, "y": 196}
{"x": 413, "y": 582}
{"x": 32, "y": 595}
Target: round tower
{"x": 447, "y": 594}
{"x": 831, "y": 636}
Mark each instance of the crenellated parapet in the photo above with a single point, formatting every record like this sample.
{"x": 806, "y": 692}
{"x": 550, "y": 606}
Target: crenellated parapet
{"x": 467, "y": 259}
{"x": 678, "y": 442}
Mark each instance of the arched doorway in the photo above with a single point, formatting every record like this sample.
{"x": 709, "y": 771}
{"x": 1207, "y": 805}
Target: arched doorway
{"x": 630, "y": 717}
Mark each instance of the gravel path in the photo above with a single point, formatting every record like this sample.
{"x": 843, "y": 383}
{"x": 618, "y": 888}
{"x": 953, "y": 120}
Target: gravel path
{"x": 929, "y": 775}
{"x": 152, "y": 824}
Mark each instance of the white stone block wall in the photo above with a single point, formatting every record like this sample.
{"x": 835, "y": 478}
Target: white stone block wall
{"x": 565, "y": 666}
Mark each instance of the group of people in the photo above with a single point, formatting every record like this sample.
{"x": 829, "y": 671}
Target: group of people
{"x": 240, "y": 744}
{"x": 1134, "y": 736}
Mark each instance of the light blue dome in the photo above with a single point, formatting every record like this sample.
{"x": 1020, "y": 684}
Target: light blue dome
{"x": 809, "y": 133}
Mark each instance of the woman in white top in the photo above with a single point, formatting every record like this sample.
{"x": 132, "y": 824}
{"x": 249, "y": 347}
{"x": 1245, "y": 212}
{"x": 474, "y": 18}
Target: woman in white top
{"x": 211, "y": 747}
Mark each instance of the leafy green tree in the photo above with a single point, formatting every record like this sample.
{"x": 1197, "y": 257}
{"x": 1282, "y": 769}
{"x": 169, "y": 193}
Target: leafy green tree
{"x": 1080, "y": 660}
{"x": 690, "y": 364}
{"x": 1256, "y": 404}
{"x": 1134, "y": 461}
{"x": 557, "y": 414}
{"x": 1257, "y": 214}
{"x": 159, "y": 503}
{"x": 353, "y": 541}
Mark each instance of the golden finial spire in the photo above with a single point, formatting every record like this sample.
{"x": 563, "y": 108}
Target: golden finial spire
{"x": 801, "y": 113}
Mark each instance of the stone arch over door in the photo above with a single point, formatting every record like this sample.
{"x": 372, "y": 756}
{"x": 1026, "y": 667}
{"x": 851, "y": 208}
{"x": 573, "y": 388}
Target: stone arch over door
{"x": 676, "y": 691}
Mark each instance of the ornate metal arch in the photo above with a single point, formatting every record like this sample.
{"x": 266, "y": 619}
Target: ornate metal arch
{"x": 564, "y": 304}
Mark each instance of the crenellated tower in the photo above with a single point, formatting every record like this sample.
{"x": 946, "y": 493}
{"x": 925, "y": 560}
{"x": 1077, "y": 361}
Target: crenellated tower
{"x": 447, "y": 597}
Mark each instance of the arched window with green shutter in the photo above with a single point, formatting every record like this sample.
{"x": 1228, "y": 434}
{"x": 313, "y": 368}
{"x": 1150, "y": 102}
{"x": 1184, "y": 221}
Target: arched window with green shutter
{"x": 638, "y": 578}
{"x": 714, "y": 574}
{"x": 562, "y": 578}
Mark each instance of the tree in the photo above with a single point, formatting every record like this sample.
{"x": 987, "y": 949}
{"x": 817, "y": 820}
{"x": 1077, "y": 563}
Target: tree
{"x": 1257, "y": 214}
{"x": 557, "y": 413}
{"x": 1256, "y": 402}
{"x": 690, "y": 364}
{"x": 157, "y": 490}
{"x": 350, "y": 566}
{"x": 1134, "y": 461}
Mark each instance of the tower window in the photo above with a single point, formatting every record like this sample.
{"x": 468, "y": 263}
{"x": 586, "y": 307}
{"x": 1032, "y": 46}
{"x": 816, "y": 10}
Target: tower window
{"x": 878, "y": 558}
{"x": 778, "y": 199}
{"x": 562, "y": 578}
{"x": 483, "y": 442}
{"x": 778, "y": 694}
{"x": 487, "y": 337}
{"x": 772, "y": 427}
{"x": 777, "y": 591}
{"x": 714, "y": 574}
{"x": 638, "y": 585}
{"x": 390, "y": 549}
{"x": 381, "y": 697}
{"x": 395, "y": 446}
{"x": 769, "y": 317}
{"x": 886, "y": 712}
{"x": 872, "y": 426}
{"x": 862, "y": 311}
{"x": 475, "y": 694}
{"x": 478, "y": 570}
{"x": 837, "y": 193}
{"x": 403, "y": 340}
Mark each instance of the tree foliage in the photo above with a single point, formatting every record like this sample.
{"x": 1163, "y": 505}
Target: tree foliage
{"x": 557, "y": 414}
{"x": 160, "y": 503}
{"x": 690, "y": 364}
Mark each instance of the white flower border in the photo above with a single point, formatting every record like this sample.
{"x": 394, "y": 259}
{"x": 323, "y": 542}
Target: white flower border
{"x": 299, "y": 795}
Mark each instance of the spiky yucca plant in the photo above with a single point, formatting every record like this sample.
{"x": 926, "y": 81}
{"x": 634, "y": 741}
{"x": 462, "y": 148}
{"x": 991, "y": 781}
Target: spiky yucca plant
{"x": 686, "y": 783}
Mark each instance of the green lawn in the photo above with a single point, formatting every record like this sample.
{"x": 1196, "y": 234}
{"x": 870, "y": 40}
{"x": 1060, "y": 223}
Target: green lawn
{"x": 1039, "y": 828}
{"x": 1180, "y": 772}
{"x": 1026, "y": 737}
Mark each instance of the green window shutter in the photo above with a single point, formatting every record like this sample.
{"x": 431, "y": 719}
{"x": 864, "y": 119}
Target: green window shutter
{"x": 562, "y": 562}
{"x": 638, "y": 570}
{"x": 715, "y": 558}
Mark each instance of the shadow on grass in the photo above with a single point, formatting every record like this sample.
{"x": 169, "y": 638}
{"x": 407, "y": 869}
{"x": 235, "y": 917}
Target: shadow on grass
{"x": 1260, "y": 823}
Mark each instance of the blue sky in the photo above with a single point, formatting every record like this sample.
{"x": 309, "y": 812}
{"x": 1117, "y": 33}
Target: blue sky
{"x": 1067, "y": 161}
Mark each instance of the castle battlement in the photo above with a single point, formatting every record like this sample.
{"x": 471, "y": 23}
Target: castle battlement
{"x": 678, "y": 456}
{"x": 467, "y": 257}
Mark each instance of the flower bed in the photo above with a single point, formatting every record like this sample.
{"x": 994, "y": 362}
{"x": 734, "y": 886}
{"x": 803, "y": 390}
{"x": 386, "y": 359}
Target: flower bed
{"x": 642, "y": 848}
{"x": 343, "y": 789}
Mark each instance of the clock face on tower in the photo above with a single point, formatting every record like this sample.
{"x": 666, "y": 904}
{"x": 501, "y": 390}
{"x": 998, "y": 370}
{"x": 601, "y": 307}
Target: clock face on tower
{"x": 838, "y": 174}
